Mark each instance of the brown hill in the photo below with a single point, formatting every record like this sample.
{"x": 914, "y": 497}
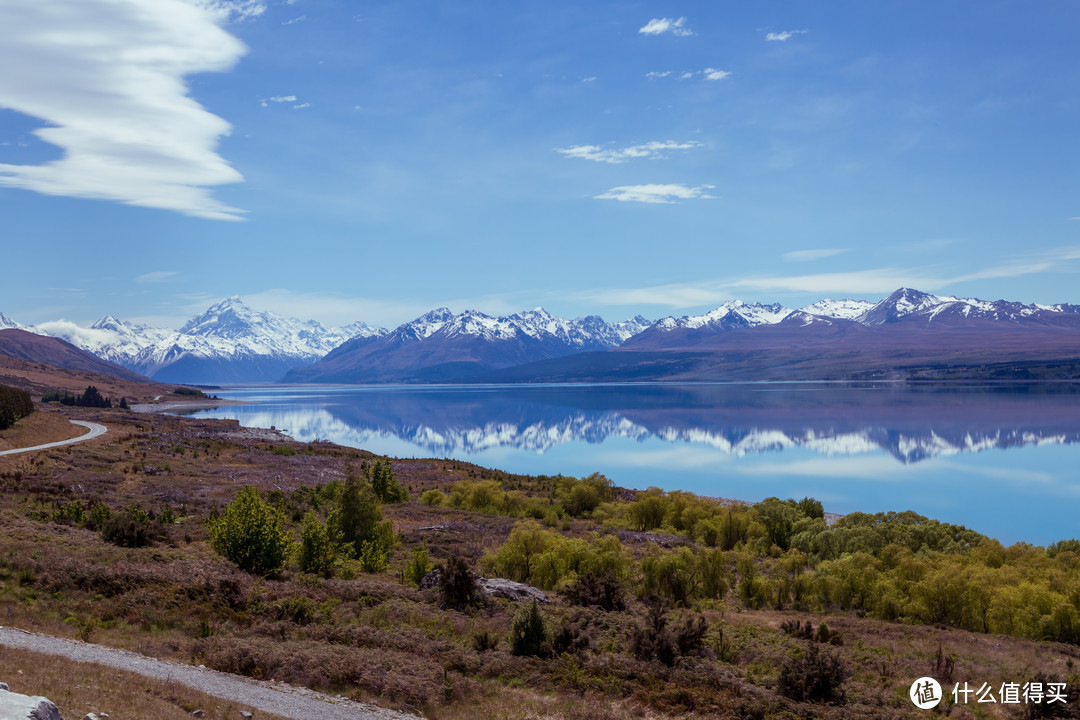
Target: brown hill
{"x": 41, "y": 364}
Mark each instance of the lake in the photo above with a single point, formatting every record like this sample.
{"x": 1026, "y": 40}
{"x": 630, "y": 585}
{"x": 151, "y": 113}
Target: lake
{"x": 1003, "y": 460}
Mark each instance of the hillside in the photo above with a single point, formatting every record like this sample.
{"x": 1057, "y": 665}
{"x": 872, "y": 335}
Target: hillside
{"x": 710, "y": 610}
{"x": 33, "y": 349}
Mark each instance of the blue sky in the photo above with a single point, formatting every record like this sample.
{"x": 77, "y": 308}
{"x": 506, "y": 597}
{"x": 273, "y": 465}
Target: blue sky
{"x": 370, "y": 161}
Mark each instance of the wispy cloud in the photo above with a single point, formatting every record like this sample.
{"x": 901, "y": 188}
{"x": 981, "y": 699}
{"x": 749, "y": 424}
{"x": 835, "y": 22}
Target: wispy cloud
{"x": 808, "y": 255}
{"x": 714, "y": 74}
{"x": 872, "y": 281}
{"x": 301, "y": 106}
{"x": 650, "y": 150}
{"x": 656, "y": 194}
{"x": 295, "y": 20}
{"x": 784, "y": 35}
{"x": 657, "y": 74}
{"x": 659, "y": 26}
{"x": 118, "y": 106}
{"x": 233, "y": 10}
{"x": 278, "y": 99}
{"x": 153, "y": 277}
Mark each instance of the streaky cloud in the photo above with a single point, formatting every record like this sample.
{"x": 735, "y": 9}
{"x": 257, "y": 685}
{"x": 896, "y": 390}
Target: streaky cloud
{"x": 118, "y": 107}
{"x": 664, "y": 194}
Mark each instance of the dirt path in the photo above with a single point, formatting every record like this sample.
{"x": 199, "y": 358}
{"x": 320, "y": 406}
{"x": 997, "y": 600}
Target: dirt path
{"x": 95, "y": 431}
{"x": 279, "y": 698}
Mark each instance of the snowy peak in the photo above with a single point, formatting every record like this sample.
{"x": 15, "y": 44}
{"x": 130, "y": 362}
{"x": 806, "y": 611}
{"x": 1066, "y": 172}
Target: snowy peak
{"x": 898, "y": 305}
{"x": 732, "y": 315}
{"x": 230, "y": 318}
{"x": 6, "y": 323}
{"x": 845, "y": 309}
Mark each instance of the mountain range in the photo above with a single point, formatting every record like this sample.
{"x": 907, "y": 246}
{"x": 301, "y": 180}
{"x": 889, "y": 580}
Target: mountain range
{"x": 908, "y": 333}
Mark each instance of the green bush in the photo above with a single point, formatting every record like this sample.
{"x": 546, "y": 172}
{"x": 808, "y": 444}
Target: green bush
{"x": 318, "y": 546}
{"x": 417, "y": 568}
{"x": 433, "y": 497}
{"x": 528, "y": 631}
{"x": 249, "y": 533}
{"x": 130, "y": 528}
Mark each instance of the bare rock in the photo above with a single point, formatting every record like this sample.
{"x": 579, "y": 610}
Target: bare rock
{"x": 25, "y": 707}
{"x": 4, "y": 687}
{"x": 518, "y": 592}
{"x": 431, "y": 579}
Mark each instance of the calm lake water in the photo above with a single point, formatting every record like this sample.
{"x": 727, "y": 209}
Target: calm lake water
{"x": 1002, "y": 460}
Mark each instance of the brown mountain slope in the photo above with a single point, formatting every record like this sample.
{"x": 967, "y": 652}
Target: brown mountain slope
{"x": 35, "y": 367}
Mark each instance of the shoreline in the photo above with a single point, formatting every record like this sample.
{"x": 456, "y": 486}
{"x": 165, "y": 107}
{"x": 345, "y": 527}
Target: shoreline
{"x": 170, "y": 406}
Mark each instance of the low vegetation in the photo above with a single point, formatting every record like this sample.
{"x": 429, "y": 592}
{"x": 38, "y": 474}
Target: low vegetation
{"x": 195, "y": 540}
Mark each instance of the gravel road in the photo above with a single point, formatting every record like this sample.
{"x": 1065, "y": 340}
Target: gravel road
{"x": 280, "y": 698}
{"x": 94, "y": 428}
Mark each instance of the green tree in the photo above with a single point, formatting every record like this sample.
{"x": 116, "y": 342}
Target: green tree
{"x": 249, "y": 533}
{"x": 528, "y": 631}
{"x": 318, "y": 546}
{"x": 386, "y": 485}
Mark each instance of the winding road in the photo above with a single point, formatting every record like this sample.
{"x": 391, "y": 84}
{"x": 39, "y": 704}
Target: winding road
{"x": 279, "y": 698}
{"x": 95, "y": 430}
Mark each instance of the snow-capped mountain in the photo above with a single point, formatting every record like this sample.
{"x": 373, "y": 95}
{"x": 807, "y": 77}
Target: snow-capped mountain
{"x": 838, "y": 309}
{"x": 912, "y": 305}
{"x": 440, "y": 345}
{"x": 7, "y": 323}
{"x": 229, "y": 342}
{"x": 731, "y": 315}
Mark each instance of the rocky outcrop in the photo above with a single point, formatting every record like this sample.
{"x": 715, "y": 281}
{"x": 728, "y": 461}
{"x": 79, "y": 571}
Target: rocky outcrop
{"x": 518, "y": 592}
{"x": 24, "y": 707}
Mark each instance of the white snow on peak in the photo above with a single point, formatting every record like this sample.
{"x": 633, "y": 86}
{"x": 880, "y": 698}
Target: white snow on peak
{"x": 840, "y": 309}
{"x": 6, "y": 323}
{"x": 753, "y": 314}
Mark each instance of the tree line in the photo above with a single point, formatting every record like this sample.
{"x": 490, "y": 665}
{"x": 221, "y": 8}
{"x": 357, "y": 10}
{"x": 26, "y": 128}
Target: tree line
{"x": 14, "y": 405}
{"x": 91, "y": 397}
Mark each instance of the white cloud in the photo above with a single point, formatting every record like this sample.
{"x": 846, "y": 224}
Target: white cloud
{"x": 659, "y": 26}
{"x": 152, "y": 277}
{"x": 589, "y": 79}
{"x": 106, "y": 76}
{"x": 784, "y": 35}
{"x": 651, "y": 150}
{"x": 654, "y": 75}
{"x": 301, "y": 106}
{"x": 714, "y": 74}
{"x": 233, "y": 10}
{"x": 295, "y": 20}
{"x": 686, "y": 76}
{"x": 656, "y": 194}
{"x": 808, "y": 255}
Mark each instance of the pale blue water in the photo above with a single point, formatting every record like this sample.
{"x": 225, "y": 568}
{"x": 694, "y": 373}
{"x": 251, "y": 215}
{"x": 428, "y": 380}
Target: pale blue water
{"x": 1003, "y": 461}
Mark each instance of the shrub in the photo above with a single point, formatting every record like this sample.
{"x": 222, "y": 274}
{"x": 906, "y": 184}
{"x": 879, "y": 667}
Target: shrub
{"x": 70, "y": 513}
{"x": 385, "y": 484}
{"x": 484, "y": 640}
{"x": 417, "y": 568}
{"x": 98, "y": 515}
{"x": 656, "y": 641}
{"x": 601, "y": 588}
{"x": 433, "y": 497}
{"x": 814, "y": 674}
{"x": 130, "y": 528}
{"x": 359, "y": 513}
{"x": 249, "y": 533}
{"x": 457, "y": 585}
{"x": 528, "y": 631}
{"x": 318, "y": 548}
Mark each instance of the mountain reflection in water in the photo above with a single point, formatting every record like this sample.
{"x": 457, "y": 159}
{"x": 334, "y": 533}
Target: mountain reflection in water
{"x": 1003, "y": 460}
{"x": 909, "y": 423}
